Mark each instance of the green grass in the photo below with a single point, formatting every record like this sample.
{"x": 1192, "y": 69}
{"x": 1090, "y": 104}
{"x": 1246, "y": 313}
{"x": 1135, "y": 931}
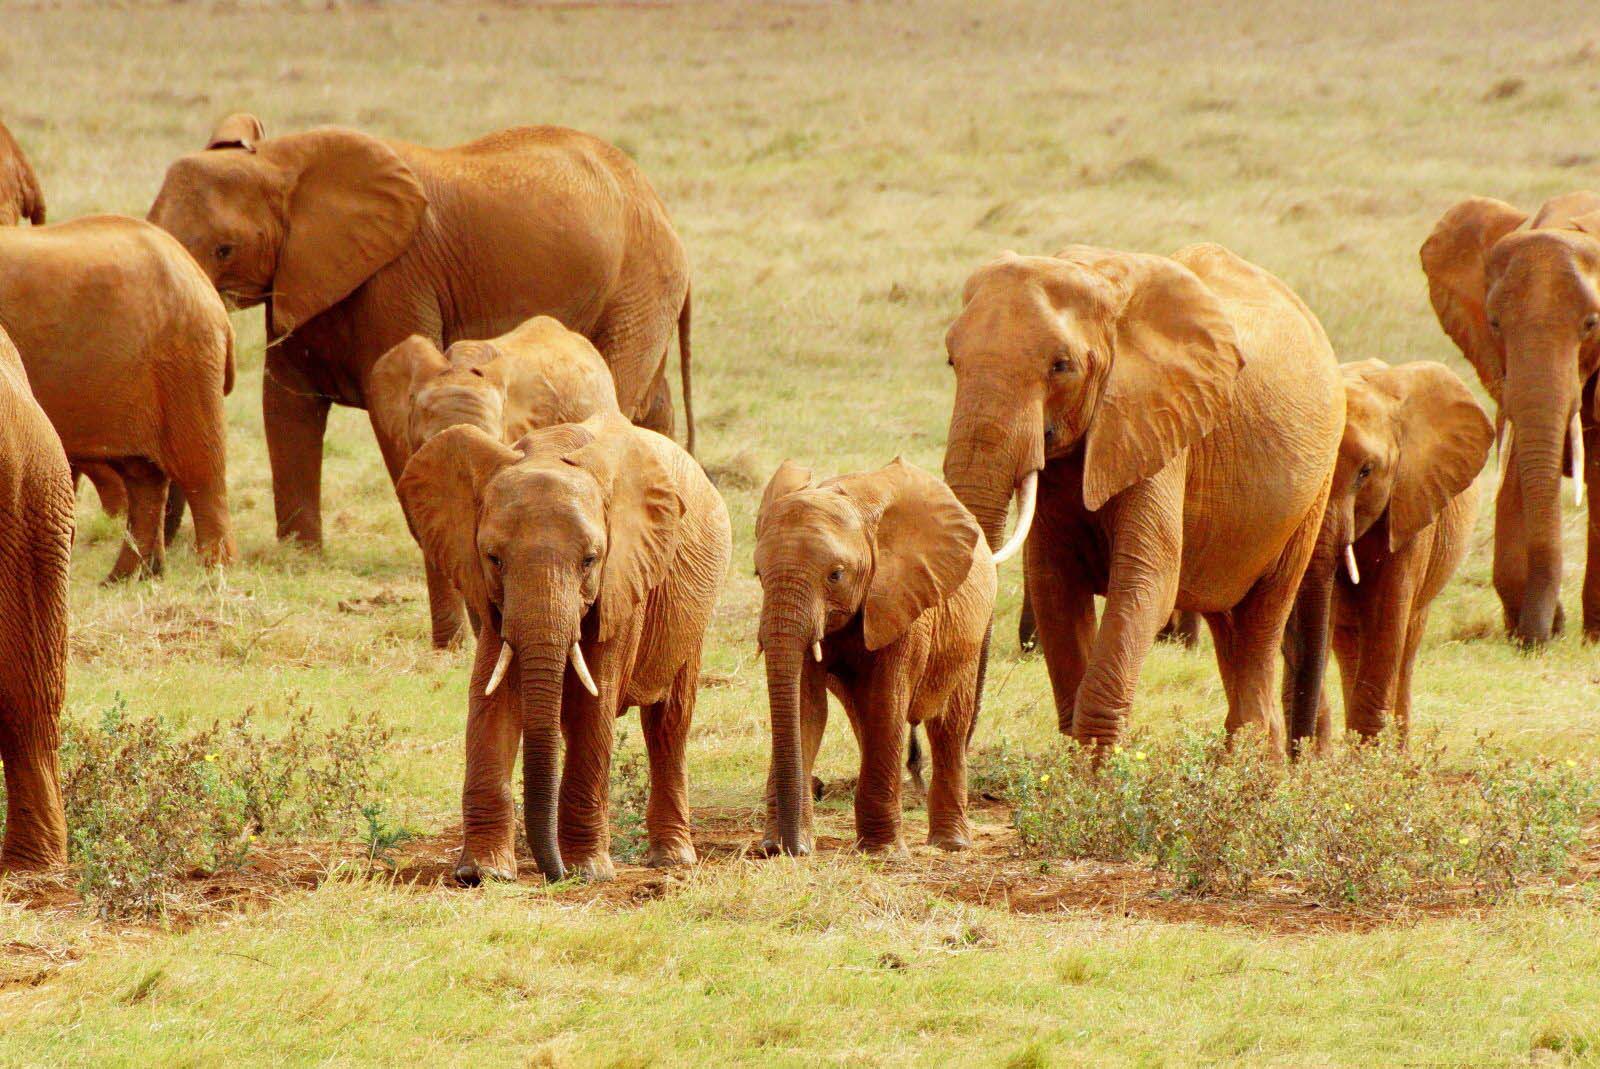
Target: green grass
{"x": 836, "y": 172}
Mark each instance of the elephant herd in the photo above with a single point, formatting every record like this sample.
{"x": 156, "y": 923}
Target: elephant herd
{"x": 1176, "y": 432}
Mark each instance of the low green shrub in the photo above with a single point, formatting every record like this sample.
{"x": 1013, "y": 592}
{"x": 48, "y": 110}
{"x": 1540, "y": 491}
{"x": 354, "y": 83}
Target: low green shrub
{"x": 1363, "y": 824}
{"x": 148, "y": 808}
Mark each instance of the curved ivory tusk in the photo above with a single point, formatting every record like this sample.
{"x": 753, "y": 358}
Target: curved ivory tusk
{"x": 1505, "y": 455}
{"x": 1030, "y": 491}
{"x": 1575, "y": 430}
{"x": 500, "y": 667}
{"x": 816, "y": 651}
{"x": 582, "y": 669}
{"x": 1350, "y": 564}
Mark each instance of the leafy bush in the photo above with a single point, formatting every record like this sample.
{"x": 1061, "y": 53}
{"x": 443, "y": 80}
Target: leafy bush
{"x": 1363, "y": 824}
{"x": 147, "y": 809}
{"x": 630, "y": 797}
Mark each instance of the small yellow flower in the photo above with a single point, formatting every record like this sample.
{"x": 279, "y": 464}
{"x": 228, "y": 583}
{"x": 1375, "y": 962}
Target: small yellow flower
{"x": 252, "y": 838}
{"x": 1116, "y": 748}
{"x": 1138, "y": 755}
{"x": 1348, "y": 808}
{"x": 211, "y": 757}
{"x": 1463, "y": 841}
{"x": 1044, "y": 779}
{"x": 1571, "y": 763}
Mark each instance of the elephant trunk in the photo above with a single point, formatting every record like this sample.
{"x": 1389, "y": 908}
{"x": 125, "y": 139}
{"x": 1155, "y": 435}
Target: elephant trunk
{"x": 790, "y": 630}
{"x": 1539, "y": 405}
{"x": 1305, "y": 640}
{"x": 543, "y": 677}
{"x": 993, "y": 446}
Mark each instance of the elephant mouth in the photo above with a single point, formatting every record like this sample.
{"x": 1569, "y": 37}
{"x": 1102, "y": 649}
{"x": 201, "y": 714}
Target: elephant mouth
{"x": 237, "y": 301}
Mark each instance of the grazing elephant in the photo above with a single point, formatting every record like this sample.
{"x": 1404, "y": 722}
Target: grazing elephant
{"x": 355, "y": 243}
{"x": 20, "y": 195}
{"x": 1521, "y": 298}
{"x": 1399, "y": 521}
{"x": 138, "y": 384}
{"x": 879, "y": 587}
{"x": 594, "y": 543}
{"x": 1171, "y": 426}
{"x": 35, "y": 552}
{"x": 537, "y": 376}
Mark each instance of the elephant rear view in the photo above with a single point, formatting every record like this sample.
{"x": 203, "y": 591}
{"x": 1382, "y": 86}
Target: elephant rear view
{"x": 35, "y": 553}
{"x": 592, "y": 554}
{"x": 355, "y": 243}
{"x": 536, "y": 376}
{"x": 129, "y": 352}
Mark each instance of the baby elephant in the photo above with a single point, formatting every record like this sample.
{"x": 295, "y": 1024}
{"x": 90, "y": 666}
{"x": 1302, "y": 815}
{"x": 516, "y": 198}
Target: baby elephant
{"x": 539, "y": 375}
{"x": 1399, "y": 519}
{"x": 879, "y": 587}
{"x": 129, "y": 352}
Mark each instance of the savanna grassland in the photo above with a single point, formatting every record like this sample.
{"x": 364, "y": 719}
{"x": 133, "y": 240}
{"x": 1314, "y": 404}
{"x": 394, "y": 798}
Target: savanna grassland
{"x": 836, "y": 172}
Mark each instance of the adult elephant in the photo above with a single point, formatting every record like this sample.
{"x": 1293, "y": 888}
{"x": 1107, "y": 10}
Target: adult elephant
{"x": 1520, "y": 296}
{"x": 594, "y": 543}
{"x": 1170, "y": 425}
{"x": 20, "y": 195}
{"x": 35, "y": 550}
{"x": 354, "y": 243}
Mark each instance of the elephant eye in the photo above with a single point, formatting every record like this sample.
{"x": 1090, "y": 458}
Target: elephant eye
{"x": 589, "y": 559}
{"x": 224, "y": 252}
{"x": 1366, "y": 470}
{"x": 1592, "y": 321}
{"x": 1061, "y": 366}
{"x": 836, "y": 575}
{"x": 1494, "y": 323}
{"x": 494, "y": 560}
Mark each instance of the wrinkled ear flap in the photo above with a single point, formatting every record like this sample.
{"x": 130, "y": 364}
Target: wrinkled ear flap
{"x": 442, "y": 493}
{"x": 789, "y": 478}
{"x": 393, "y": 378}
{"x": 1444, "y": 440}
{"x": 1589, "y": 223}
{"x": 556, "y": 441}
{"x": 354, "y": 207}
{"x": 239, "y": 130}
{"x": 643, "y": 516}
{"x": 1455, "y": 258}
{"x": 923, "y": 541}
{"x": 1175, "y": 357}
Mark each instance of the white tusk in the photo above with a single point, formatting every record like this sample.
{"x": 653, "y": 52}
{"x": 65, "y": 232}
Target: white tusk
{"x": 500, "y": 667}
{"x": 582, "y": 669}
{"x": 1505, "y": 455}
{"x": 1030, "y": 491}
{"x": 816, "y": 651}
{"x": 1576, "y": 431}
{"x": 1350, "y": 564}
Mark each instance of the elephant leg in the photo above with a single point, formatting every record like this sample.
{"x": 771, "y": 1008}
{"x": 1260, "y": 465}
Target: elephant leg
{"x": 36, "y": 828}
{"x": 1415, "y": 628}
{"x": 583, "y": 828}
{"x": 658, "y": 414}
{"x": 1066, "y": 627}
{"x": 142, "y": 552}
{"x": 634, "y": 335}
{"x": 1510, "y": 545}
{"x": 1591, "y": 571}
{"x": 488, "y": 813}
{"x": 207, "y": 493}
{"x": 1027, "y": 624}
{"x": 108, "y": 486}
{"x": 1346, "y": 641}
{"x": 666, "y": 737}
{"x": 813, "y": 721}
{"x": 947, "y": 790}
{"x": 176, "y": 504}
{"x": 296, "y": 419}
{"x": 881, "y": 702}
{"x": 1385, "y": 604}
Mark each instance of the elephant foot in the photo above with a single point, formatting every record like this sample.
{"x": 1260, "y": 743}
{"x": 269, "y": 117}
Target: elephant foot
{"x": 772, "y": 846}
{"x": 950, "y": 840}
{"x": 500, "y": 868}
{"x": 887, "y": 846}
{"x": 598, "y": 869}
{"x": 671, "y": 854}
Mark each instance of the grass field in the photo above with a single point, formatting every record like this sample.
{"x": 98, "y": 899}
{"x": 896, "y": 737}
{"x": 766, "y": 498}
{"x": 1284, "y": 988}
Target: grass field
{"x": 836, "y": 172}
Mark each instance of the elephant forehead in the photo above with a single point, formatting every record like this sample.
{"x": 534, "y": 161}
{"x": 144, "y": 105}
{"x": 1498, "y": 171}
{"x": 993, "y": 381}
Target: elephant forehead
{"x": 546, "y": 494}
{"x": 1543, "y": 266}
{"x": 1021, "y": 318}
{"x": 821, "y": 521}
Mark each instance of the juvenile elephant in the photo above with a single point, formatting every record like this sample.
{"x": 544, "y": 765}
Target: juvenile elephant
{"x": 20, "y": 195}
{"x": 876, "y": 586}
{"x": 594, "y": 543}
{"x": 35, "y": 551}
{"x": 355, "y": 243}
{"x": 1171, "y": 426}
{"x": 1398, "y": 523}
{"x": 1521, "y": 298}
{"x": 537, "y": 376}
{"x": 129, "y": 352}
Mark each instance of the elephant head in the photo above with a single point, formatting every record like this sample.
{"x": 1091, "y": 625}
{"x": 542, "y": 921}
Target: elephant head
{"x": 1521, "y": 298}
{"x": 1414, "y": 439}
{"x": 1130, "y": 356}
{"x": 297, "y": 222}
{"x": 555, "y": 543}
{"x": 538, "y": 375}
{"x": 874, "y": 550}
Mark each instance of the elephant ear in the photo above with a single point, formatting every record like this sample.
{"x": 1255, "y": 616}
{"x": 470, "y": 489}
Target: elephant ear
{"x": 789, "y": 478}
{"x": 389, "y": 388}
{"x": 923, "y": 540}
{"x": 1589, "y": 223}
{"x": 1455, "y": 258}
{"x": 353, "y": 208}
{"x": 31, "y": 207}
{"x": 1444, "y": 440}
{"x": 644, "y": 514}
{"x": 239, "y": 130}
{"x": 1174, "y": 360}
{"x": 442, "y": 493}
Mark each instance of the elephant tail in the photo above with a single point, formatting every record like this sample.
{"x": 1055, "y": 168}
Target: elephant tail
{"x": 227, "y": 366}
{"x": 683, "y": 367}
